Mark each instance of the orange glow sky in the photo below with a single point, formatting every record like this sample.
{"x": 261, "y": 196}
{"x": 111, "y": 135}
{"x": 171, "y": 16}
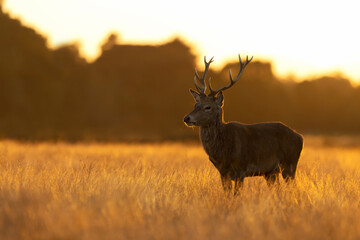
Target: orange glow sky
{"x": 301, "y": 38}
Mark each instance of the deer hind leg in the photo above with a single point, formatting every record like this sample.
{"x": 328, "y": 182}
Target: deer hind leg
{"x": 272, "y": 178}
{"x": 289, "y": 170}
{"x": 288, "y": 173}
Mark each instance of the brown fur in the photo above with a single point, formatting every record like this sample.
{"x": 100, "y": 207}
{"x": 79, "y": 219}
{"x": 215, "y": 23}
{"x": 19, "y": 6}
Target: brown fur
{"x": 243, "y": 150}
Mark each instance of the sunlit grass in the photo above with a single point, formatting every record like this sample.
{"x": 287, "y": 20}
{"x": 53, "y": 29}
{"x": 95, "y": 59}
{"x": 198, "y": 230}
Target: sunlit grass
{"x": 170, "y": 191}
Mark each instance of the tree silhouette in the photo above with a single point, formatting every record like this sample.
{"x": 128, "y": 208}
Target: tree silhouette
{"x": 140, "y": 92}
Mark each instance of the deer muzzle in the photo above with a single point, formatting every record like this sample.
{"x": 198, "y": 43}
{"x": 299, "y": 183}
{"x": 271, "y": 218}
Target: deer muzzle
{"x": 188, "y": 121}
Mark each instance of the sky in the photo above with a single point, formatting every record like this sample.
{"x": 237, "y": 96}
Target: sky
{"x": 302, "y": 39}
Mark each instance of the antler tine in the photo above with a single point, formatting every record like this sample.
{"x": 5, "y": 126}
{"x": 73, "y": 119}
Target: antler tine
{"x": 232, "y": 81}
{"x": 202, "y": 89}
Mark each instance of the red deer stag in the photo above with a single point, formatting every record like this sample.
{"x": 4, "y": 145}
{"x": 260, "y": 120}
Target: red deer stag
{"x": 241, "y": 150}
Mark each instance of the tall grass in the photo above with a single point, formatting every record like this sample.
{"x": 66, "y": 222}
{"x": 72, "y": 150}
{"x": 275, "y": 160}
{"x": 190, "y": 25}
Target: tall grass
{"x": 170, "y": 191}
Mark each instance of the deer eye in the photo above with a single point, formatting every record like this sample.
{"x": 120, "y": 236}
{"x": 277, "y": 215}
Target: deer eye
{"x": 207, "y": 108}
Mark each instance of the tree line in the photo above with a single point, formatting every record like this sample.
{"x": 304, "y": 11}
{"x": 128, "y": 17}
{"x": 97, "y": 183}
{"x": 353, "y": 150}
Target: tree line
{"x": 140, "y": 92}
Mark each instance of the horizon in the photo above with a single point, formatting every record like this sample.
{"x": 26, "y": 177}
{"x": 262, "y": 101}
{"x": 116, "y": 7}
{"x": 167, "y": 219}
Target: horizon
{"x": 294, "y": 45}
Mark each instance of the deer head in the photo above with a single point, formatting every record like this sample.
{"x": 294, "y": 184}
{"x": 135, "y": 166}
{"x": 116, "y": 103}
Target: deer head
{"x": 208, "y": 108}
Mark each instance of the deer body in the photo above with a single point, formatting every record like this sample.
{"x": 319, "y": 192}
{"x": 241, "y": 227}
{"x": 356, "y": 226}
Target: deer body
{"x": 242, "y": 150}
{"x": 264, "y": 149}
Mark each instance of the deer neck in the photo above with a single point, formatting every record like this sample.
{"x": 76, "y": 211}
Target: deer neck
{"x": 212, "y": 138}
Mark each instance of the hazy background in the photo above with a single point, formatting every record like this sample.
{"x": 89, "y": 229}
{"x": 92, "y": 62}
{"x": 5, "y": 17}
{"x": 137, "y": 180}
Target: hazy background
{"x": 134, "y": 88}
{"x": 300, "y": 38}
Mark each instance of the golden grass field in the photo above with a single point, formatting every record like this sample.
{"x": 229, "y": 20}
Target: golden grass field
{"x": 171, "y": 191}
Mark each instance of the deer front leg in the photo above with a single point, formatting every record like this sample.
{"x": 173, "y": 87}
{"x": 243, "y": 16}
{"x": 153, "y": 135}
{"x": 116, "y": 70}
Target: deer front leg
{"x": 226, "y": 182}
{"x": 238, "y": 185}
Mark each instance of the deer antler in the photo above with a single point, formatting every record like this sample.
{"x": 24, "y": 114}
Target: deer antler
{"x": 202, "y": 79}
{"x": 232, "y": 81}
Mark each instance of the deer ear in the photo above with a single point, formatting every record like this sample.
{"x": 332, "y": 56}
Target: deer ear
{"x": 196, "y": 95}
{"x": 219, "y": 98}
